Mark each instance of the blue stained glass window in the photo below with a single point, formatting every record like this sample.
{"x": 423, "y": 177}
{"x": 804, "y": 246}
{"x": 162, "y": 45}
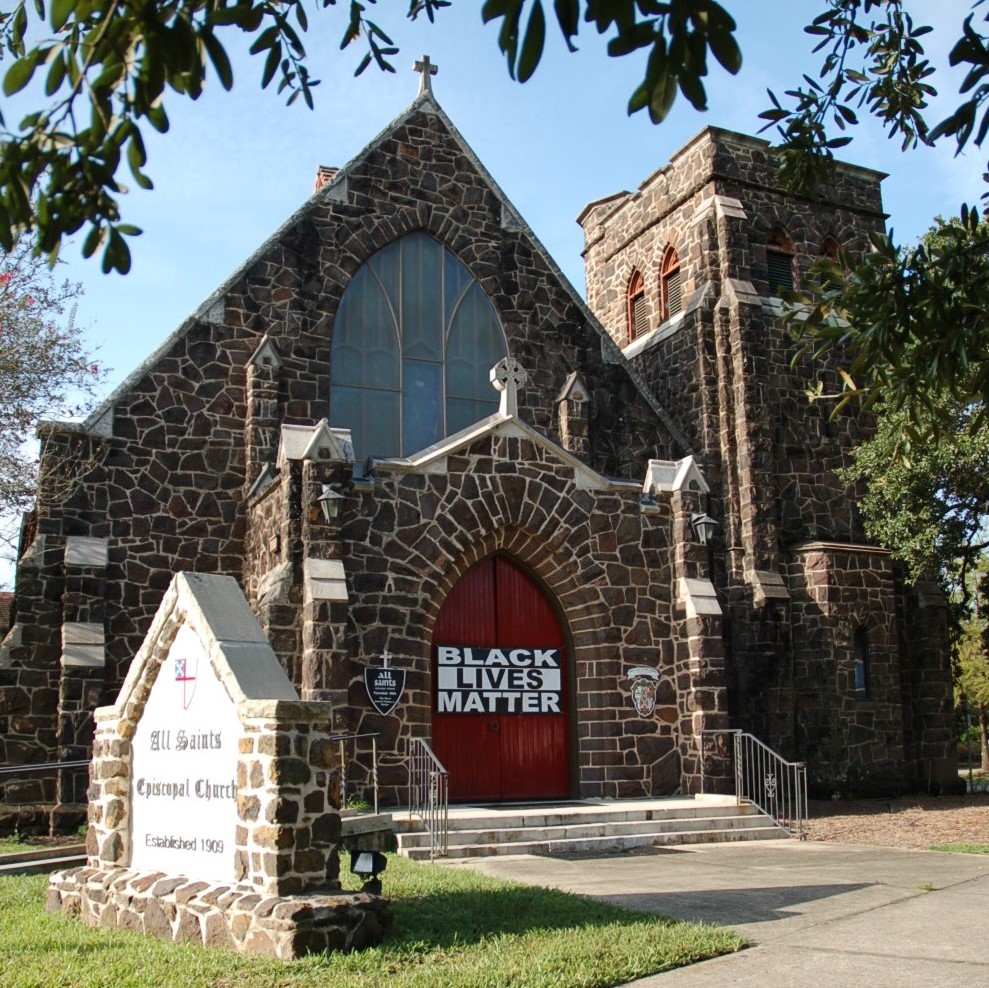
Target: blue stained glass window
{"x": 414, "y": 341}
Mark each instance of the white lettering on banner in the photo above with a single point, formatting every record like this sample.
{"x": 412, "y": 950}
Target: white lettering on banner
{"x": 498, "y": 681}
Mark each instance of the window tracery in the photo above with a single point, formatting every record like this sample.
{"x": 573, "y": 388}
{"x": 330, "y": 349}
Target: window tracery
{"x": 414, "y": 341}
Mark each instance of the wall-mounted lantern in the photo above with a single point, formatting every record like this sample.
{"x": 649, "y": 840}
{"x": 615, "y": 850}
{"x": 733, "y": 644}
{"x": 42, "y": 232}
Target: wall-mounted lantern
{"x": 329, "y": 503}
{"x": 704, "y": 526}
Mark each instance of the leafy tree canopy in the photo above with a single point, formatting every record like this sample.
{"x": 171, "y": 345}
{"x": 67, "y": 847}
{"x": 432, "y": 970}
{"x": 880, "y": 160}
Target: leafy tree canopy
{"x": 927, "y": 501}
{"x": 100, "y": 72}
{"x": 45, "y": 368}
{"x": 911, "y": 325}
{"x": 104, "y": 69}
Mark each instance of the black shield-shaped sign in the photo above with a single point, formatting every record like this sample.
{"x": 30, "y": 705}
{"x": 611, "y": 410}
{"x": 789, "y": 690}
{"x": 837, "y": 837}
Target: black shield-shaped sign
{"x": 385, "y": 688}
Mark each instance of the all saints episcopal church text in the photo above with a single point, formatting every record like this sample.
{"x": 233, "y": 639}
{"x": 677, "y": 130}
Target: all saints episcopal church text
{"x": 404, "y": 432}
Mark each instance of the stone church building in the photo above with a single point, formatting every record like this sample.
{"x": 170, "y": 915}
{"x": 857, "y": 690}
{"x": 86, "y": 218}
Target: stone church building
{"x": 418, "y": 448}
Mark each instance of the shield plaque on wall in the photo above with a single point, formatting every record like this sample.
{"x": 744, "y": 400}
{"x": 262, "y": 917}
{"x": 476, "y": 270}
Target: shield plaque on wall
{"x": 384, "y": 688}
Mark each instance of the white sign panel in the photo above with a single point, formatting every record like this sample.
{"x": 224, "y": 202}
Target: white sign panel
{"x": 184, "y": 778}
{"x": 498, "y": 681}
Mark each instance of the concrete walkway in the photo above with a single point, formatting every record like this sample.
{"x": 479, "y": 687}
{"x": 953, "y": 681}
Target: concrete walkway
{"x": 817, "y": 914}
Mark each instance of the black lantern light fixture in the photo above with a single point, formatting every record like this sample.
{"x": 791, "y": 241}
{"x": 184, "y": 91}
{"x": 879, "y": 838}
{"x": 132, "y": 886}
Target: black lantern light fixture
{"x": 329, "y": 503}
{"x": 704, "y": 527}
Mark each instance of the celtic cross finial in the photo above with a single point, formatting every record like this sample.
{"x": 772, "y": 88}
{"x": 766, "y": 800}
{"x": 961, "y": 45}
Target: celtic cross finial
{"x": 507, "y": 376}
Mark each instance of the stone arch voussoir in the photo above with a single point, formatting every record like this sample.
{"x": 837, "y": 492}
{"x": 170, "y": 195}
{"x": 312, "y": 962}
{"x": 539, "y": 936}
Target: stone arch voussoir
{"x": 560, "y": 577}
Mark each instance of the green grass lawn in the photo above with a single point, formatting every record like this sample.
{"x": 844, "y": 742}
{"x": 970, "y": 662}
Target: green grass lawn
{"x": 962, "y": 848}
{"x": 453, "y": 929}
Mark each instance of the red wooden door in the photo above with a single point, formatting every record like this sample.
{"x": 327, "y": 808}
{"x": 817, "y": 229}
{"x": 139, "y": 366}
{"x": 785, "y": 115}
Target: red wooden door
{"x": 500, "y": 720}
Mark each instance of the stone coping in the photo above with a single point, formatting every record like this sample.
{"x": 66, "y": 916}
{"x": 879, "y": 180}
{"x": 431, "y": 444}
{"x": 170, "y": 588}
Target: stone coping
{"x": 216, "y": 914}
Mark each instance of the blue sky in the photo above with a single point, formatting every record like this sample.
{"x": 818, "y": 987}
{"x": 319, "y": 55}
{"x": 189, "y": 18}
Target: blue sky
{"x": 235, "y": 165}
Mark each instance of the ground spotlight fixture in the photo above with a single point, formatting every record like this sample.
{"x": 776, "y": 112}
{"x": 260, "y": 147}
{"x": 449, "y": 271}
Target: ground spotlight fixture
{"x": 704, "y": 527}
{"x": 329, "y": 503}
{"x": 368, "y": 865}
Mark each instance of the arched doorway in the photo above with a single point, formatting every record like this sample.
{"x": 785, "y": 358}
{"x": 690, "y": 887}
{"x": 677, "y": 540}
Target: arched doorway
{"x": 501, "y": 722}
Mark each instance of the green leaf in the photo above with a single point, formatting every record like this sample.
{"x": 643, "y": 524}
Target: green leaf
{"x": 61, "y": 11}
{"x": 568, "y": 17}
{"x": 271, "y": 64}
{"x": 20, "y": 73}
{"x": 221, "y": 63}
{"x": 56, "y": 76}
{"x": 267, "y": 38}
{"x": 725, "y": 49}
{"x": 493, "y": 9}
{"x": 532, "y": 46}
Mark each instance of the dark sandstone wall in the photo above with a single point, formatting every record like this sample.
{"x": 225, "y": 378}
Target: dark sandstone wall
{"x": 166, "y": 486}
{"x": 725, "y": 370}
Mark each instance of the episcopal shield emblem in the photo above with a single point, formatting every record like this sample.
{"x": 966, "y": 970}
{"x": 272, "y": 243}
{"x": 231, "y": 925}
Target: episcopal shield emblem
{"x": 644, "y": 682}
{"x": 185, "y": 679}
{"x": 384, "y": 687}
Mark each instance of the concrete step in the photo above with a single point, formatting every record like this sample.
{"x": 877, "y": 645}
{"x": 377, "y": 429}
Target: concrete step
{"x": 601, "y": 845}
{"x": 581, "y": 830}
{"x": 588, "y": 826}
{"x": 510, "y": 817}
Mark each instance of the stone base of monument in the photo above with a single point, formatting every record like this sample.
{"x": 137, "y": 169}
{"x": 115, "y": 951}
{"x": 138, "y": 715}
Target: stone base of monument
{"x": 213, "y": 793}
{"x": 235, "y": 917}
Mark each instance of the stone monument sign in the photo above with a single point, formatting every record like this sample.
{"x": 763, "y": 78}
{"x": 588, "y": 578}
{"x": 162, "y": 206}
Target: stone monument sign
{"x": 212, "y": 787}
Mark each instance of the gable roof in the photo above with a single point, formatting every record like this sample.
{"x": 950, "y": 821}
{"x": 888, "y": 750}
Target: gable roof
{"x": 335, "y": 189}
{"x": 502, "y": 424}
{"x": 215, "y": 609}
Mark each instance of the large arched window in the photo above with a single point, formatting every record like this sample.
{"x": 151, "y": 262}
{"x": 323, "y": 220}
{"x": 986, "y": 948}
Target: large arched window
{"x": 670, "y": 284}
{"x": 414, "y": 341}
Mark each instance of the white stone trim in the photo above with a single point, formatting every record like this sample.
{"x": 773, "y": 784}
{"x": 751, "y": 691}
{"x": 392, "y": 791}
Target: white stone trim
{"x": 33, "y": 553}
{"x": 741, "y": 292}
{"x": 308, "y": 442}
{"x": 325, "y": 579}
{"x": 266, "y": 354}
{"x": 496, "y": 425}
{"x": 674, "y": 475}
{"x": 768, "y": 585}
{"x": 698, "y": 597}
{"x": 275, "y": 584}
{"x": 82, "y": 550}
{"x": 656, "y": 335}
{"x": 573, "y": 389}
{"x": 83, "y": 645}
{"x": 11, "y": 640}
{"x": 817, "y": 546}
{"x": 216, "y": 314}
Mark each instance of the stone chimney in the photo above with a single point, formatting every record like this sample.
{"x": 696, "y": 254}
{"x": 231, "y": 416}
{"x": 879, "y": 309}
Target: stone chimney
{"x": 324, "y": 175}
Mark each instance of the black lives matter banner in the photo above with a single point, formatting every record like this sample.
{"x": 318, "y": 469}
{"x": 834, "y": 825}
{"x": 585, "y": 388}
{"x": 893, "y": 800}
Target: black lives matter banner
{"x": 498, "y": 681}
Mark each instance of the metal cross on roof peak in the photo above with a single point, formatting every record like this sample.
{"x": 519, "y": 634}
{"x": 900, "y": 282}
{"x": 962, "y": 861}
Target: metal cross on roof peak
{"x": 426, "y": 69}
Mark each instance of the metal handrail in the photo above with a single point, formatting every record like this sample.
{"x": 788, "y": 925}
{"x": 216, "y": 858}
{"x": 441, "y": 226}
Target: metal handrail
{"x": 769, "y": 782}
{"x": 429, "y": 796}
{"x": 342, "y": 739}
{"x": 42, "y": 767}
